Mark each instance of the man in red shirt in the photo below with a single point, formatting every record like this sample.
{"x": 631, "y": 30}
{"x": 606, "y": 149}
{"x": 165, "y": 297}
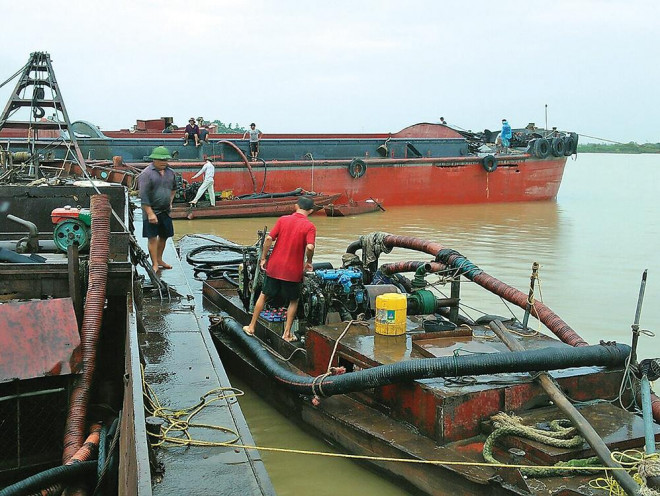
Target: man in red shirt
{"x": 294, "y": 236}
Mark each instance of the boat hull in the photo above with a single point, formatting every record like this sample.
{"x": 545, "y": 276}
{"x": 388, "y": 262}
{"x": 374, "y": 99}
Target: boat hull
{"x": 357, "y": 208}
{"x": 246, "y": 208}
{"x": 422, "y": 165}
{"x": 400, "y": 182}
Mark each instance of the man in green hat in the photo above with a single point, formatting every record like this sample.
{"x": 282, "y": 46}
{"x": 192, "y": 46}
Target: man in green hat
{"x": 157, "y": 188}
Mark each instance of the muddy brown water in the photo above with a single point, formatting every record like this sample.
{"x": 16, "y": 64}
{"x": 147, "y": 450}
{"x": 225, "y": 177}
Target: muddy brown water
{"x": 592, "y": 244}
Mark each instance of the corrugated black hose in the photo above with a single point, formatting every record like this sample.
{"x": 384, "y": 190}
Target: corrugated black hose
{"x": 553, "y": 358}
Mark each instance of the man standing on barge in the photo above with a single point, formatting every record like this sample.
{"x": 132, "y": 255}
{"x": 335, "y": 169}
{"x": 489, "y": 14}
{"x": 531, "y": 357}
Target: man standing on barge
{"x": 506, "y": 136}
{"x": 157, "y": 185}
{"x": 255, "y": 136}
{"x": 294, "y": 236}
{"x": 207, "y": 185}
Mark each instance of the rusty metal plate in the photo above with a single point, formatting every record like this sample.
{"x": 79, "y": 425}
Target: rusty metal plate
{"x": 38, "y": 338}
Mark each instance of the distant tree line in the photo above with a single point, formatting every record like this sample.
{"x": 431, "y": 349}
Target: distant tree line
{"x": 227, "y": 128}
{"x": 631, "y": 147}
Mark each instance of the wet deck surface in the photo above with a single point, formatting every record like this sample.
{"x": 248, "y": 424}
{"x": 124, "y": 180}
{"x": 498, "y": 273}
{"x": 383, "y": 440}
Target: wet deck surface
{"x": 182, "y": 365}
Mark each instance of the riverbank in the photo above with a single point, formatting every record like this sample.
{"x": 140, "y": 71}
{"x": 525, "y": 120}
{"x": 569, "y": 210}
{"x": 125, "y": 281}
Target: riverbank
{"x": 631, "y": 147}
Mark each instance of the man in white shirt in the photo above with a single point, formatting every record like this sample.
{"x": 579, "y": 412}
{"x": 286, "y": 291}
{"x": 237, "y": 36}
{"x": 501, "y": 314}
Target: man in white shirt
{"x": 209, "y": 171}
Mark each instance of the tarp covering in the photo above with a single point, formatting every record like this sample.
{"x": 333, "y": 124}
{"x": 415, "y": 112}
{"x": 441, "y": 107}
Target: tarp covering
{"x": 38, "y": 338}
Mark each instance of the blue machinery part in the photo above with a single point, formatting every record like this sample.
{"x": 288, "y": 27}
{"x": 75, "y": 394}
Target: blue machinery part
{"x": 345, "y": 278}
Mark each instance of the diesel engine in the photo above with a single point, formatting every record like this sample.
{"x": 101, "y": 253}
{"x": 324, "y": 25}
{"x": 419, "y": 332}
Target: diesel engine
{"x": 333, "y": 290}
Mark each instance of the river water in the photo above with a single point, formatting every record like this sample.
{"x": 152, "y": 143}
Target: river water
{"x": 592, "y": 244}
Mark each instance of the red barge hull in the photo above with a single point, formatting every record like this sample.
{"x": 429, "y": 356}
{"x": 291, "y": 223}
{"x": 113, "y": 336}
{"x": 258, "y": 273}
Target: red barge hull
{"x": 424, "y": 164}
{"x": 424, "y": 181}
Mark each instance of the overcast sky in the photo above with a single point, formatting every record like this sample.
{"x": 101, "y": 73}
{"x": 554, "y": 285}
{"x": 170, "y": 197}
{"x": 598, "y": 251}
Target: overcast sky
{"x": 349, "y": 66}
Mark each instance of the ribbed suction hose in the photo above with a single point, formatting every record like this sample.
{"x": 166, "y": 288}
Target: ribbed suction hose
{"x": 74, "y": 434}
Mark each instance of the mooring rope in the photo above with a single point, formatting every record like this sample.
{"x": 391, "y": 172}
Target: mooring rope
{"x": 561, "y": 435}
{"x": 174, "y": 424}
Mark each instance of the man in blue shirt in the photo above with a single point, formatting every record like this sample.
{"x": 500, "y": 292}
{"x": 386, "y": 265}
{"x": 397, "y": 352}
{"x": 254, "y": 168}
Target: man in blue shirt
{"x": 506, "y": 135}
{"x": 157, "y": 185}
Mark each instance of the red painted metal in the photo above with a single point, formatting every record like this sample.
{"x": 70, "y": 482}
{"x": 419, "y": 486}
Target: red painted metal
{"x": 38, "y": 338}
{"x": 63, "y": 213}
{"x": 394, "y": 180}
{"x": 420, "y": 181}
{"x": 440, "y": 412}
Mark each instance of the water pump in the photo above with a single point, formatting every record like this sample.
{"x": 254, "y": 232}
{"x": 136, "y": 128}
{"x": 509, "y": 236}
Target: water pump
{"x": 72, "y": 226}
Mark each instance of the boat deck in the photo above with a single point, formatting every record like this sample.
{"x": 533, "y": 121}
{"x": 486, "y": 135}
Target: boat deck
{"x": 448, "y": 410}
{"x": 435, "y": 419}
{"x": 182, "y": 365}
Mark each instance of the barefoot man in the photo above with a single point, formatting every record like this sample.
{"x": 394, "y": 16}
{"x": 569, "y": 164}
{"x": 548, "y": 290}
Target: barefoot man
{"x": 157, "y": 188}
{"x": 294, "y": 236}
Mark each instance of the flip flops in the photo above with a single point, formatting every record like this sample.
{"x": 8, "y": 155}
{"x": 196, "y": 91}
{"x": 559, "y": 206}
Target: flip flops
{"x": 246, "y": 330}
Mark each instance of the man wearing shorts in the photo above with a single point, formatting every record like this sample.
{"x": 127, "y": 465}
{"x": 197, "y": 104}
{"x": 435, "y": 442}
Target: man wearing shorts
{"x": 294, "y": 236}
{"x": 255, "y": 136}
{"x": 157, "y": 188}
{"x": 192, "y": 130}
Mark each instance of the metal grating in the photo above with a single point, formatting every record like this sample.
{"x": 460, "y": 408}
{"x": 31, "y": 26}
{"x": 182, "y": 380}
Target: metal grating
{"x": 32, "y": 418}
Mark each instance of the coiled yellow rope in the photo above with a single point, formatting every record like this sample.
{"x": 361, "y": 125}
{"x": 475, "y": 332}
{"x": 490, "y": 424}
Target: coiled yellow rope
{"x": 640, "y": 466}
{"x": 178, "y": 422}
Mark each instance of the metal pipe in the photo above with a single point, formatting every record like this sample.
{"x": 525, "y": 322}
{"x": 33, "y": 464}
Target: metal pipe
{"x": 649, "y": 437}
{"x": 33, "y": 236}
{"x": 456, "y": 295}
{"x": 45, "y": 245}
{"x": 581, "y": 424}
{"x": 638, "y": 313}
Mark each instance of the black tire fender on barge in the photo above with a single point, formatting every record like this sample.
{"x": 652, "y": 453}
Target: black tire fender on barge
{"x": 357, "y": 168}
{"x": 557, "y": 147}
{"x": 575, "y": 137}
{"x": 489, "y": 163}
{"x": 541, "y": 148}
{"x": 568, "y": 146}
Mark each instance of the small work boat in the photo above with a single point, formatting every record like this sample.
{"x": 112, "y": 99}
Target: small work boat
{"x": 395, "y": 373}
{"x": 253, "y": 207}
{"x": 353, "y": 208}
